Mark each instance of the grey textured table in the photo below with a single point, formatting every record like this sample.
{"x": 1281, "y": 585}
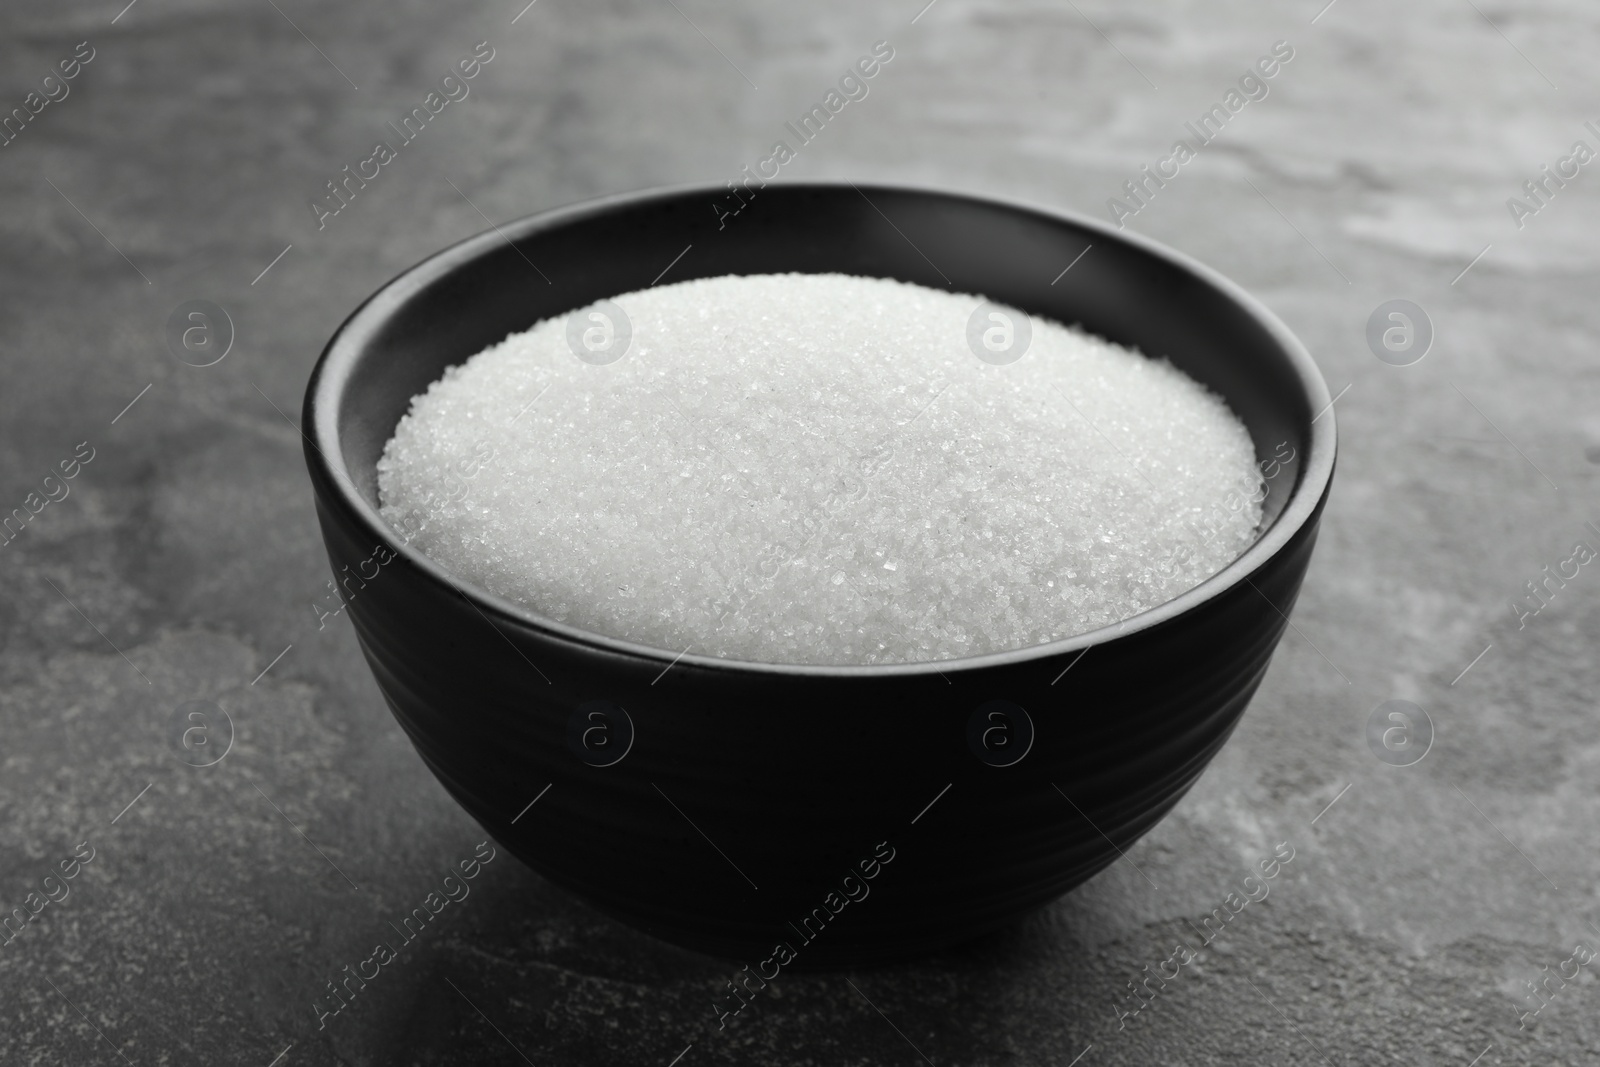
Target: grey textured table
{"x": 184, "y": 562}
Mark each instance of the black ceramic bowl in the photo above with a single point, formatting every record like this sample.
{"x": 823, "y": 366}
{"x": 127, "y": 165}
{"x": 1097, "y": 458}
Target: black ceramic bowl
{"x": 730, "y": 806}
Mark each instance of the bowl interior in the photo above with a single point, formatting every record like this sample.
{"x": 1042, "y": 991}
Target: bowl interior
{"x": 1120, "y": 286}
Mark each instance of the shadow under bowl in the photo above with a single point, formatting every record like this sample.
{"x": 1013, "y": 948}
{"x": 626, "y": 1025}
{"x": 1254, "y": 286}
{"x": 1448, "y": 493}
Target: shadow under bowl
{"x": 857, "y": 814}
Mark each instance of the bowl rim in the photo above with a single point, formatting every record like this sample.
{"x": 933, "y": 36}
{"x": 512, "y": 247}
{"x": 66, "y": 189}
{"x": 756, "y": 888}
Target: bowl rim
{"x": 330, "y": 376}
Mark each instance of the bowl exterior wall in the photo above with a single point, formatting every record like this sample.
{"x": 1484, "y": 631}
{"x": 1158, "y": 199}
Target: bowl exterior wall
{"x": 742, "y": 803}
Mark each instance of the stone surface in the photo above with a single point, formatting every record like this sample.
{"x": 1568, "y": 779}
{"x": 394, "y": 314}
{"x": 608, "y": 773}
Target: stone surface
{"x": 186, "y": 557}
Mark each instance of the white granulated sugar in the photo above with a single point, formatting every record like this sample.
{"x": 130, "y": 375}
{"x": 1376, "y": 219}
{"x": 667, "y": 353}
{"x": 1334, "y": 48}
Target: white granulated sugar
{"x": 817, "y": 469}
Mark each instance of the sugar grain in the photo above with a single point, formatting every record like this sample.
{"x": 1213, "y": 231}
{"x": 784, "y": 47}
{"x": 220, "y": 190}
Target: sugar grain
{"x": 818, "y": 469}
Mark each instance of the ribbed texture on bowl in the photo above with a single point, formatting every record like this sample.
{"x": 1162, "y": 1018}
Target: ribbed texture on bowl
{"x": 796, "y": 774}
